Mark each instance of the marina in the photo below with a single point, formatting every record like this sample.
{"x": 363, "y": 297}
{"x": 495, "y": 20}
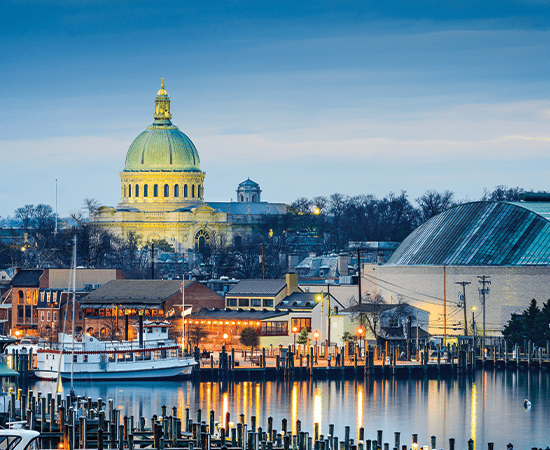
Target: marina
{"x": 470, "y": 407}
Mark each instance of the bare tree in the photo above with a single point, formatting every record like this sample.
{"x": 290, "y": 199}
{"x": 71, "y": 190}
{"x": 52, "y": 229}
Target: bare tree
{"x": 432, "y": 203}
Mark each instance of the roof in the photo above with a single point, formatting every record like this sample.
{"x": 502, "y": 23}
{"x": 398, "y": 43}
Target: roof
{"x": 248, "y": 183}
{"x": 5, "y": 371}
{"x": 254, "y": 208}
{"x": 162, "y": 147}
{"x": 27, "y": 278}
{"x": 258, "y": 287}
{"x": 299, "y": 300}
{"x": 481, "y": 234}
{"x": 368, "y": 308}
{"x": 139, "y": 293}
{"x": 239, "y": 314}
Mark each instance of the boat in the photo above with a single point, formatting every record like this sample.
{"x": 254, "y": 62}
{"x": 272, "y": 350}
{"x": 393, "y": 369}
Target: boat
{"x": 17, "y": 439}
{"x": 151, "y": 357}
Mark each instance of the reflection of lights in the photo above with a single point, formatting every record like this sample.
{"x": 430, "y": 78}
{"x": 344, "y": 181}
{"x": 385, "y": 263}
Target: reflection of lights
{"x": 318, "y": 407}
{"x": 360, "y": 407}
{"x": 225, "y": 408}
{"x": 474, "y": 414}
{"x": 294, "y": 406}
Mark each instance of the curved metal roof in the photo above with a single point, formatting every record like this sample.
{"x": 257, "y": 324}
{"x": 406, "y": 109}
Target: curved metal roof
{"x": 481, "y": 233}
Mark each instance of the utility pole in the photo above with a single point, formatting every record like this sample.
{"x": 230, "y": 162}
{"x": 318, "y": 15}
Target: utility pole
{"x": 263, "y": 262}
{"x": 464, "y": 284}
{"x": 483, "y": 280}
{"x": 359, "y": 273}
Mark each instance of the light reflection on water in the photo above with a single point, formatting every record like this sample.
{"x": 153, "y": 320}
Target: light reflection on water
{"x": 487, "y": 408}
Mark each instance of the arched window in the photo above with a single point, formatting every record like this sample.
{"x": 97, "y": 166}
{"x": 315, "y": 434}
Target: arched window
{"x": 242, "y": 198}
{"x": 193, "y": 191}
{"x": 146, "y": 190}
{"x": 185, "y": 191}
{"x": 238, "y": 240}
{"x": 199, "y": 191}
{"x": 137, "y": 190}
{"x": 202, "y": 240}
{"x": 177, "y": 190}
{"x": 166, "y": 190}
{"x": 90, "y": 331}
{"x": 21, "y": 297}
{"x": 129, "y": 190}
{"x": 156, "y": 190}
{"x": 253, "y": 198}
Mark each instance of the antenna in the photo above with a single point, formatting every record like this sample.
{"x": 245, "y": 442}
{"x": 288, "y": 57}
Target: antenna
{"x": 55, "y": 231}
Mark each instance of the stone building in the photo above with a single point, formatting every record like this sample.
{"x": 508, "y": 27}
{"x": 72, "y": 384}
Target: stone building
{"x": 163, "y": 192}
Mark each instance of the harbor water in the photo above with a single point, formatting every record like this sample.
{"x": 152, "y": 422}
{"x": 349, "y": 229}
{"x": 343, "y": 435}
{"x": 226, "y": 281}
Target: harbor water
{"x": 487, "y": 406}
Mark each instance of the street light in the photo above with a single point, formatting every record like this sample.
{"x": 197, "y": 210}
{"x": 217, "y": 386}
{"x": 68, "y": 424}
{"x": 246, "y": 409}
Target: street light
{"x": 294, "y": 331}
{"x": 225, "y": 339}
{"x": 360, "y": 331}
{"x": 474, "y": 328}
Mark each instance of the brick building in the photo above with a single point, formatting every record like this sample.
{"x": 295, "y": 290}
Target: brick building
{"x": 39, "y": 297}
{"x": 107, "y": 308}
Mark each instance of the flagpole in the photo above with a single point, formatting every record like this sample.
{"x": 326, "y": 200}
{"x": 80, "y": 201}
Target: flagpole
{"x": 183, "y": 314}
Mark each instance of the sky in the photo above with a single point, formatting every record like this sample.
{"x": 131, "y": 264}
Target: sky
{"x": 305, "y": 98}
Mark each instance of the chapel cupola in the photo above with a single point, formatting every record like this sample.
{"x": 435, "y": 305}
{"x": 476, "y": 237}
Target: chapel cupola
{"x": 162, "y": 107}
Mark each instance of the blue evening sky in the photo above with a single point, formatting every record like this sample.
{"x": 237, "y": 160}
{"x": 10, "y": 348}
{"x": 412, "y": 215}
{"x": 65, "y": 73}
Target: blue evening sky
{"x": 305, "y": 98}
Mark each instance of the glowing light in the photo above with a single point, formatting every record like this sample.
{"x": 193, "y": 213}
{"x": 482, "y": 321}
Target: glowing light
{"x": 318, "y": 407}
{"x": 473, "y": 431}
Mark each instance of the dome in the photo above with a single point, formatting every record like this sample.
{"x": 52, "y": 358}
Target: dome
{"x": 162, "y": 146}
{"x": 481, "y": 233}
{"x": 162, "y": 149}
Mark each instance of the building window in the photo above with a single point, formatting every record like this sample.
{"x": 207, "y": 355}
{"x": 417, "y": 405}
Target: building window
{"x": 199, "y": 191}
{"x": 231, "y": 302}
{"x": 28, "y": 297}
{"x": 137, "y": 190}
{"x": 41, "y": 316}
{"x": 177, "y": 190}
{"x": 146, "y": 190}
{"x": 193, "y": 191}
{"x": 129, "y": 190}
{"x": 202, "y": 240}
{"x": 268, "y": 303}
{"x": 243, "y": 302}
{"x": 48, "y": 316}
{"x": 166, "y": 190}
{"x": 156, "y": 190}
{"x": 301, "y": 323}
{"x": 256, "y": 302}
{"x": 21, "y": 297}
{"x": 55, "y": 316}
{"x": 274, "y": 329}
{"x": 242, "y": 198}
{"x": 185, "y": 190}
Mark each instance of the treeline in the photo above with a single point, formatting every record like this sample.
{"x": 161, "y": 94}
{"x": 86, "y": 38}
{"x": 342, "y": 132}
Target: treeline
{"x": 318, "y": 225}
{"x": 531, "y": 325}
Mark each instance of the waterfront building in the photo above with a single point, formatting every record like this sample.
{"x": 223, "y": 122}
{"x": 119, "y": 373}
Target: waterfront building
{"x": 163, "y": 192}
{"x": 37, "y": 298}
{"x": 278, "y": 309}
{"x": 508, "y": 243}
{"x": 106, "y": 308}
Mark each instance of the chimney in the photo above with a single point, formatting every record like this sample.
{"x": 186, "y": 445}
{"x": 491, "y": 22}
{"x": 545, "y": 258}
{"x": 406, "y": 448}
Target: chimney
{"x": 291, "y": 283}
{"x": 343, "y": 265}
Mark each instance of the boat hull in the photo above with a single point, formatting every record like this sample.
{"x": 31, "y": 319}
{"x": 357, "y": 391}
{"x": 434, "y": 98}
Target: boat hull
{"x": 137, "y": 374}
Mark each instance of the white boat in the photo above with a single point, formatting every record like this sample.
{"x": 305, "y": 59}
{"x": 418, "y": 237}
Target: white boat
{"x": 155, "y": 357}
{"x": 17, "y": 439}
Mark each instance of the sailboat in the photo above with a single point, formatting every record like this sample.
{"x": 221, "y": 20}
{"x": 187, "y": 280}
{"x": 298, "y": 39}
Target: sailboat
{"x": 152, "y": 356}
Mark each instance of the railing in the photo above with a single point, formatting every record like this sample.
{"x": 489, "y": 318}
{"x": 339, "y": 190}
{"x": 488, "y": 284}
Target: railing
{"x": 109, "y": 346}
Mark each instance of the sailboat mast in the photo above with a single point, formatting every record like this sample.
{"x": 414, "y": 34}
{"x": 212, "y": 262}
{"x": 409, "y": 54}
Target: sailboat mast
{"x": 183, "y": 313}
{"x": 74, "y": 307}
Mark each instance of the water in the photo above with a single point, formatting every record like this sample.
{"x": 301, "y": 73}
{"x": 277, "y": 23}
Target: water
{"x": 487, "y": 407}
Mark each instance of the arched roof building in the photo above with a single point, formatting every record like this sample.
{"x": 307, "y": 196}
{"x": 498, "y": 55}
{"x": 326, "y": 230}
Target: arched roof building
{"x": 481, "y": 234}
{"x": 440, "y": 266}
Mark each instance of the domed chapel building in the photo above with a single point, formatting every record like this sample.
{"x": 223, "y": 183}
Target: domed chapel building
{"x": 162, "y": 192}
